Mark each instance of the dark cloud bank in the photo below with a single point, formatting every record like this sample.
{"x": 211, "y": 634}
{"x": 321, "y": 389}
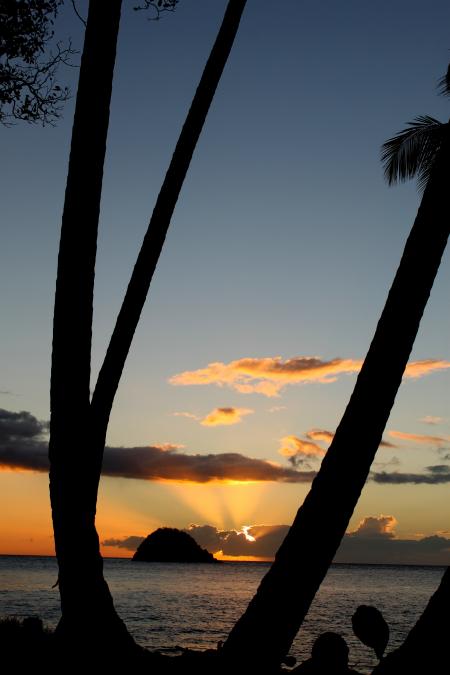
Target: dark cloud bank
{"x": 23, "y": 445}
{"x": 373, "y": 542}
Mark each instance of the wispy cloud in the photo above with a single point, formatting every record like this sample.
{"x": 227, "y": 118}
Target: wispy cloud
{"x": 421, "y": 439}
{"x": 431, "y": 419}
{"x": 324, "y": 436}
{"x": 425, "y": 367}
{"x": 225, "y": 416}
{"x": 268, "y": 376}
{"x": 189, "y": 415}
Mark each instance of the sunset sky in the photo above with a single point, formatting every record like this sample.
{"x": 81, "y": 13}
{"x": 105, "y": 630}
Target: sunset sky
{"x": 278, "y": 261}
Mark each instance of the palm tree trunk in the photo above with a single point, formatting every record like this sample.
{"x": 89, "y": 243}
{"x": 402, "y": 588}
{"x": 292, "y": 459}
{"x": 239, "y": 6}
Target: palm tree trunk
{"x": 284, "y": 596}
{"x": 84, "y": 594}
{"x": 128, "y": 318}
{"x": 425, "y": 650}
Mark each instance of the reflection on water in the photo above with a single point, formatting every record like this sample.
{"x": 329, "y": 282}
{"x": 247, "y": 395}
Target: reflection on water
{"x": 166, "y": 606}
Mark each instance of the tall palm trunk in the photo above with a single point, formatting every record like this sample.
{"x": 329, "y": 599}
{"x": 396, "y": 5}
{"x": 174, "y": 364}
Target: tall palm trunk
{"x": 128, "y": 318}
{"x": 84, "y": 593}
{"x": 425, "y": 650}
{"x": 75, "y": 466}
{"x": 266, "y": 630}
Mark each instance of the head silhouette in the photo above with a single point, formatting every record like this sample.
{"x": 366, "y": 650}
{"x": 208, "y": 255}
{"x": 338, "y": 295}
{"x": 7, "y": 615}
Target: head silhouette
{"x": 330, "y": 653}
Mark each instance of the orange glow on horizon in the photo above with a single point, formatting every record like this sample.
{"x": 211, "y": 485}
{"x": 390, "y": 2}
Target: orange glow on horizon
{"x": 240, "y": 558}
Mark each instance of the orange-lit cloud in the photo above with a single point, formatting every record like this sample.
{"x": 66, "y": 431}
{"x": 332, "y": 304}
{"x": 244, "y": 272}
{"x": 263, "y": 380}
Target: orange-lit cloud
{"x": 425, "y": 367}
{"x": 298, "y": 450}
{"x": 375, "y": 526}
{"x": 225, "y": 416}
{"x": 269, "y": 375}
{"x": 324, "y": 436}
{"x": 422, "y": 439}
{"x": 320, "y": 435}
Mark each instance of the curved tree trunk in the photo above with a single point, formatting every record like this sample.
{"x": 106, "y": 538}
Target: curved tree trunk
{"x": 128, "y": 318}
{"x": 266, "y": 630}
{"x": 425, "y": 650}
{"x": 85, "y": 599}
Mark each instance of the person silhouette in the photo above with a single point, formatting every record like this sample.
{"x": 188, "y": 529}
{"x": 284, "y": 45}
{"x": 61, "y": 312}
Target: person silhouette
{"x": 329, "y": 656}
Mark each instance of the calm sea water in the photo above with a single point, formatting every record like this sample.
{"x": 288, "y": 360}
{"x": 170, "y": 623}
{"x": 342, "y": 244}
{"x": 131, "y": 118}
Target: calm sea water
{"x": 168, "y": 606}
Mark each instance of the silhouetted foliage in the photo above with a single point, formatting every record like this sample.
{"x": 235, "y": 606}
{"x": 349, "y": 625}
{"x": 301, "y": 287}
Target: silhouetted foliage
{"x": 157, "y": 6}
{"x": 167, "y": 544}
{"x": 412, "y": 152}
{"x": 371, "y": 628}
{"x": 29, "y": 90}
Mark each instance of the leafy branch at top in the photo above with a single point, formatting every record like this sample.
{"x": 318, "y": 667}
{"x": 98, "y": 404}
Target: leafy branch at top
{"x": 29, "y": 90}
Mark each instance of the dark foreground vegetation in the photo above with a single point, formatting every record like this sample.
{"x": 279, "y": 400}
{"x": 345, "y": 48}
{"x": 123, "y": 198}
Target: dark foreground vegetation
{"x": 26, "y": 644}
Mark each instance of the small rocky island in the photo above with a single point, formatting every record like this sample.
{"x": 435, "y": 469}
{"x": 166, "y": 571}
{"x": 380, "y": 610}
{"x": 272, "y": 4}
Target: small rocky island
{"x": 167, "y": 544}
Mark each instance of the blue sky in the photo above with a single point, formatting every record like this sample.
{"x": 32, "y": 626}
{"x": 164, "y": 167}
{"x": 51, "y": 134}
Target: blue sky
{"x": 284, "y": 242}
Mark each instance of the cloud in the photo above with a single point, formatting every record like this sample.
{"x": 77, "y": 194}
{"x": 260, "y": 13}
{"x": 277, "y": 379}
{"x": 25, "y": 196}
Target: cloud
{"x": 189, "y": 415}
{"x": 423, "y": 439}
{"x": 373, "y": 541}
{"x": 320, "y": 435}
{"x": 420, "y": 368}
{"x": 434, "y": 475}
{"x": 276, "y": 408}
{"x": 22, "y": 446}
{"x": 327, "y": 436}
{"x": 375, "y": 526}
{"x": 394, "y": 461}
{"x": 298, "y": 450}
{"x": 225, "y": 416}
{"x": 269, "y": 375}
{"x": 431, "y": 419}
{"x": 22, "y": 441}
{"x": 128, "y": 543}
{"x": 261, "y": 541}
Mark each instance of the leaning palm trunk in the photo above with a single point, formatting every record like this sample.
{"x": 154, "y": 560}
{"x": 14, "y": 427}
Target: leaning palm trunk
{"x": 425, "y": 650}
{"x": 85, "y": 599}
{"x": 128, "y": 318}
{"x": 266, "y": 630}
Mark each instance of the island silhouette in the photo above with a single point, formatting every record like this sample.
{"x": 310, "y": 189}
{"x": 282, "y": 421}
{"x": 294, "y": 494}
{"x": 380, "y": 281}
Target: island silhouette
{"x": 168, "y": 544}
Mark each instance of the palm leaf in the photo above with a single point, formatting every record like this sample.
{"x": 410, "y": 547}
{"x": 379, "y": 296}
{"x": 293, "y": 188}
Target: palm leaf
{"x": 444, "y": 83}
{"x": 412, "y": 151}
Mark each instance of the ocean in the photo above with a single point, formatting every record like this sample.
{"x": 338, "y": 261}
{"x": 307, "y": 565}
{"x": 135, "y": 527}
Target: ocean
{"x": 172, "y": 606}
